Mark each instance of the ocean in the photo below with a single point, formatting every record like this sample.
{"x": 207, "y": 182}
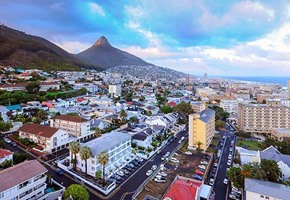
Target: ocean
{"x": 275, "y": 80}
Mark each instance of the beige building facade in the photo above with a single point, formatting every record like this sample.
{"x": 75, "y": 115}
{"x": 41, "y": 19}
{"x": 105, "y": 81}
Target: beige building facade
{"x": 201, "y": 129}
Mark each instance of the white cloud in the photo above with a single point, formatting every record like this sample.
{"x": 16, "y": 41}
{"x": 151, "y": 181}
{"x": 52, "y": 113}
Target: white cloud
{"x": 72, "y": 46}
{"x": 97, "y": 9}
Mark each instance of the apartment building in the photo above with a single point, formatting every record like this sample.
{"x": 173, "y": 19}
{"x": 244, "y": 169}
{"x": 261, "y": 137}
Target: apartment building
{"x": 115, "y": 90}
{"x": 262, "y": 118}
{"x": 230, "y": 106}
{"x": 116, "y": 144}
{"x": 74, "y": 125}
{"x": 44, "y": 86}
{"x": 280, "y": 134}
{"x": 201, "y": 129}
{"x": 47, "y": 138}
{"x": 23, "y": 181}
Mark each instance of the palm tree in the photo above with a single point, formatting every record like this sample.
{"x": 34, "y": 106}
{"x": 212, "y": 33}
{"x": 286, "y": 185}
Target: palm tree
{"x": 98, "y": 132}
{"x": 198, "y": 143}
{"x": 103, "y": 159}
{"x": 123, "y": 114}
{"x": 85, "y": 154}
{"x": 74, "y": 147}
{"x": 246, "y": 171}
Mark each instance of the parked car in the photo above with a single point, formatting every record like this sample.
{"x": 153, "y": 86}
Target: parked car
{"x": 167, "y": 154}
{"x": 226, "y": 181}
{"x": 202, "y": 170}
{"x": 188, "y": 153}
{"x": 231, "y": 149}
{"x": 13, "y": 144}
{"x": 197, "y": 177}
{"x": 131, "y": 165}
{"x": 229, "y": 162}
{"x": 7, "y": 140}
{"x": 59, "y": 171}
{"x": 117, "y": 177}
{"x": 198, "y": 172}
{"x": 149, "y": 172}
{"x": 160, "y": 177}
{"x": 163, "y": 158}
{"x": 233, "y": 197}
{"x": 235, "y": 194}
{"x": 230, "y": 156}
{"x": 201, "y": 167}
{"x": 211, "y": 181}
{"x": 162, "y": 174}
{"x": 159, "y": 180}
{"x": 139, "y": 159}
{"x": 126, "y": 171}
{"x": 216, "y": 164}
{"x": 236, "y": 190}
{"x": 154, "y": 167}
{"x": 120, "y": 173}
{"x": 204, "y": 162}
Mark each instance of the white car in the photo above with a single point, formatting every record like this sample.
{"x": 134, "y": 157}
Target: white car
{"x": 162, "y": 174}
{"x": 174, "y": 160}
{"x": 204, "y": 162}
{"x": 7, "y": 140}
{"x": 180, "y": 141}
{"x": 201, "y": 166}
{"x": 154, "y": 167}
{"x": 163, "y": 158}
{"x": 229, "y": 162}
{"x": 226, "y": 181}
{"x": 167, "y": 154}
{"x": 149, "y": 172}
{"x": 233, "y": 197}
{"x": 230, "y": 156}
{"x": 211, "y": 181}
{"x": 228, "y": 169}
{"x": 236, "y": 190}
{"x": 188, "y": 153}
{"x": 120, "y": 173}
{"x": 216, "y": 164}
{"x": 159, "y": 180}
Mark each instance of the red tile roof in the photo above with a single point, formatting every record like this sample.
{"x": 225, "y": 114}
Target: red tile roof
{"x": 183, "y": 190}
{"x": 4, "y": 152}
{"x": 71, "y": 118}
{"x": 19, "y": 173}
{"x": 171, "y": 104}
{"x": 37, "y": 129}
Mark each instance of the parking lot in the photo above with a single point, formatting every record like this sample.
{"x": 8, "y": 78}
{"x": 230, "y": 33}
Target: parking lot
{"x": 178, "y": 164}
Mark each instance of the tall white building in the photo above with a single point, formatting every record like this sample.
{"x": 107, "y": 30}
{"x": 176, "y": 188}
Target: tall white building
{"x": 230, "y": 106}
{"x": 23, "y": 181}
{"x": 116, "y": 144}
{"x": 115, "y": 90}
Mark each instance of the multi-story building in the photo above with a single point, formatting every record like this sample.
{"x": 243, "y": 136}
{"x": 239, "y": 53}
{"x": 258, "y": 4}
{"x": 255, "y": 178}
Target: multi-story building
{"x": 23, "y": 181}
{"x": 230, "y": 106}
{"x": 262, "y": 118}
{"x": 49, "y": 138}
{"x": 201, "y": 129}
{"x": 5, "y": 155}
{"x": 116, "y": 144}
{"x": 115, "y": 90}
{"x": 44, "y": 86}
{"x": 74, "y": 125}
{"x": 280, "y": 134}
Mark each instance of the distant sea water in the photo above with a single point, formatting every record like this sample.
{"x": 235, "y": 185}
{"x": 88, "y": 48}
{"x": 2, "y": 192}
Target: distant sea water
{"x": 274, "y": 80}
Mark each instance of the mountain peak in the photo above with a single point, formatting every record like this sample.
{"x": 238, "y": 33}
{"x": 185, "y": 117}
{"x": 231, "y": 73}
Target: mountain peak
{"x": 102, "y": 41}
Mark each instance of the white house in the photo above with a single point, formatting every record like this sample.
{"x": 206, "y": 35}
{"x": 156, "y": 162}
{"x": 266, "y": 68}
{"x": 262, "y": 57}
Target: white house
{"x": 116, "y": 144}
{"x": 143, "y": 138}
{"x": 230, "y": 106}
{"x": 5, "y": 155}
{"x": 23, "y": 181}
{"x": 100, "y": 123}
{"x": 74, "y": 125}
{"x": 3, "y": 113}
{"x": 48, "y": 138}
{"x": 115, "y": 90}
{"x": 258, "y": 190}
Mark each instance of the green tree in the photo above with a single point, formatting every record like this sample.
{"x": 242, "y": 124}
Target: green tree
{"x": 85, "y": 154}
{"x": 142, "y": 98}
{"x": 98, "y": 132}
{"x": 33, "y": 87}
{"x": 123, "y": 114}
{"x": 76, "y": 192}
{"x": 74, "y": 148}
{"x": 6, "y": 163}
{"x": 73, "y": 114}
{"x": 271, "y": 169}
{"x": 19, "y": 157}
{"x": 166, "y": 109}
{"x": 103, "y": 159}
{"x": 2, "y": 144}
{"x": 133, "y": 119}
{"x": 234, "y": 174}
{"x": 98, "y": 174}
{"x": 184, "y": 109}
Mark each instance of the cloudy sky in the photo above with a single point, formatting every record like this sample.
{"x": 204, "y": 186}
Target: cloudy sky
{"x": 224, "y": 38}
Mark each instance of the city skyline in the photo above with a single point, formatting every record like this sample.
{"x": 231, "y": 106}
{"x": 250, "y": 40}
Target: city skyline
{"x": 231, "y": 38}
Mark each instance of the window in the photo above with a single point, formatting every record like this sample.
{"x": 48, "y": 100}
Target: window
{"x": 266, "y": 197}
{"x": 261, "y": 196}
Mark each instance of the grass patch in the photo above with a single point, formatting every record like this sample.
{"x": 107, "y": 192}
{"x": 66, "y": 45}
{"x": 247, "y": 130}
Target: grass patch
{"x": 184, "y": 146}
{"x": 248, "y": 144}
{"x": 53, "y": 94}
{"x": 217, "y": 136}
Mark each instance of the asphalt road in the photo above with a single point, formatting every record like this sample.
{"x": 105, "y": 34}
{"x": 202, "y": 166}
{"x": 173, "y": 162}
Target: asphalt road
{"x": 219, "y": 187}
{"x": 130, "y": 185}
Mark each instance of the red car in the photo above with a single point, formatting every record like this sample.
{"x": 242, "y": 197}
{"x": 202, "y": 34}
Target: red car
{"x": 199, "y": 172}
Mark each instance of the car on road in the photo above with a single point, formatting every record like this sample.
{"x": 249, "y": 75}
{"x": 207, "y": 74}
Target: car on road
{"x": 149, "y": 172}
{"x": 167, "y": 154}
{"x": 163, "y": 158}
{"x": 131, "y": 165}
{"x": 230, "y": 156}
{"x": 216, "y": 164}
{"x": 120, "y": 173}
{"x": 197, "y": 177}
{"x": 154, "y": 167}
{"x": 13, "y": 144}
{"x": 159, "y": 180}
{"x": 236, "y": 190}
{"x": 7, "y": 140}
{"x": 229, "y": 162}
{"x": 139, "y": 159}
{"x": 226, "y": 181}
{"x": 231, "y": 149}
{"x": 228, "y": 169}
{"x": 188, "y": 153}
{"x": 211, "y": 181}
{"x": 180, "y": 141}
{"x": 59, "y": 171}
{"x": 159, "y": 152}
{"x": 198, "y": 172}
{"x": 126, "y": 171}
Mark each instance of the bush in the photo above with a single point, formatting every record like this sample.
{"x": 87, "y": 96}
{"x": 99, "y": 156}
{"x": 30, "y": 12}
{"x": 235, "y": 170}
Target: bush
{"x": 243, "y": 134}
{"x": 6, "y": 164}
{"x": 149, "y": 149}
{"x": 134, "y": 145}
{"x": 19, "y": 157}
{"x": 141, "y": 148}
